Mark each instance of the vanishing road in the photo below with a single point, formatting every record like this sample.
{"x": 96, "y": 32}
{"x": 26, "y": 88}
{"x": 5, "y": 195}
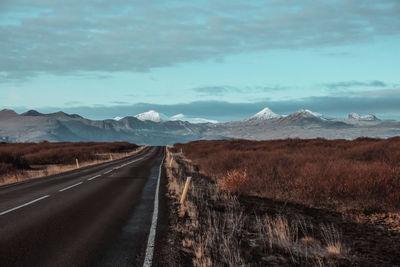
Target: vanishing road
{"x": 94, "y": 216}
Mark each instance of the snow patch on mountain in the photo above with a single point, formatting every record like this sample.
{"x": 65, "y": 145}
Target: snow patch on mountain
{"x": 265, "y": 114}
{"x": 356, "y": 116}
{"x": 179, "y": 116}
{"x": 201, "y": 120}
{"x": 152, "y": 115}
{"x": 182, "y": 117}
{"x": 117, "y": 118}
{"x": 305, "y": 113}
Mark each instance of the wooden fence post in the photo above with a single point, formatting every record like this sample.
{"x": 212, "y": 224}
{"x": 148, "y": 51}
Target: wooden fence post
{"x": 170, "y": 162}
{"x": 185, "y": 190}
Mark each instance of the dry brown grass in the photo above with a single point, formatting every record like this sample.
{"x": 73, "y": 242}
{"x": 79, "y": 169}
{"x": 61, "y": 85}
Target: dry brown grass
{"x": 332, "y": 238}
{"x": 296, "y": 239}
{"x": 218, "y": 231}
{"x": 21, "y": 155}
{"x": 362, "y": 174}
{"x": 234, "y": 181}
{"x": 99, "y": 153}
{"x": 206, "y": 231}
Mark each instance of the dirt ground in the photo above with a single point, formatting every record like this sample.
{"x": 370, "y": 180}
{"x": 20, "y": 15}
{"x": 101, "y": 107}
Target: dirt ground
{"x": 367, "y": 243}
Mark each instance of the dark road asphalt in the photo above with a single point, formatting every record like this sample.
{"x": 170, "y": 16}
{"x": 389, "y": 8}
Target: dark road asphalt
{"x": 94, "y": 216}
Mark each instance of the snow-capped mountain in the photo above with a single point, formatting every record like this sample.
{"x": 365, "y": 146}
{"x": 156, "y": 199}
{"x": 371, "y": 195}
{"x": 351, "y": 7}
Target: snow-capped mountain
{"x": 59, "y": 127}
{"x": 201, "y": 120}
{"x": 182, "y": 117}
{"x": 300, "y": 117}
{"x": 155, "y": 116}
{"x": 356, "y": 116}
{"x": 305, "y": 113}
{"x": 152, "y": 115}
{"x": 153, "y": 128}
{"x": 265, "y": 114}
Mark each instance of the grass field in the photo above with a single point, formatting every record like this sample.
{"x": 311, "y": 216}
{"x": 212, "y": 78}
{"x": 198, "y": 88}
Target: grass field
{"x": 362, "y": 174}
{"x": 30, "y": 160}
{"x": 287, "y": 202}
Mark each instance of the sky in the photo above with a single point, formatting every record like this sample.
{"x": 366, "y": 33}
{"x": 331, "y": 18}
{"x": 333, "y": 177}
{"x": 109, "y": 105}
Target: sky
{"x": 221, "y": 60}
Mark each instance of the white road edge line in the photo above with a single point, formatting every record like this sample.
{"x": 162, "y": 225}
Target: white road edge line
{"x": 69, "y": 187}
{"x": 23, "y": 205}
{"x": 148, "y": 259}
{"x": 107, "y": 172}
{"x": 94, "y": 177}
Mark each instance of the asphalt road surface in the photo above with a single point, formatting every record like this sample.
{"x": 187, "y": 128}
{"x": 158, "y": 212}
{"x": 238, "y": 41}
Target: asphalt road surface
{"x": 94, "y": 216}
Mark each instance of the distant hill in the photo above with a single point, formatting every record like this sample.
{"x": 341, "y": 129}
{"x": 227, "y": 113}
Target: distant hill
{"x": 153, "y": 128}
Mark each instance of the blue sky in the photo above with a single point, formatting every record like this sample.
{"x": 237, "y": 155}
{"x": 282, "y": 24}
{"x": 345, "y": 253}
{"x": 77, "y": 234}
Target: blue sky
{"x": 221, "y": 60}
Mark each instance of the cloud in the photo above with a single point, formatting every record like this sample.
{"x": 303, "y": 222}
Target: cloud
{"x": 350, "y": 84}
{"x": 216, "y": 90}
{"x": 381, "y": 93}
{"x": 270, "y": 88}
{"x": 224, "y": 90}
{"x": 70, "y": 36}
{"x": 120, "y": 102}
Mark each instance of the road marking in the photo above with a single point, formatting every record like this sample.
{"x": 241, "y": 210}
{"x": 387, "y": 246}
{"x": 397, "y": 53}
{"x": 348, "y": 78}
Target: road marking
{"x": 155, "y": 214}
{"x": 133, "y": 161}
{"x": 150, "y": 242}
{"x": 23, "y": 205}
{"x": 94, "y": 177}
{"x": 123, "y": 165}
{"x": 69, "y": 187}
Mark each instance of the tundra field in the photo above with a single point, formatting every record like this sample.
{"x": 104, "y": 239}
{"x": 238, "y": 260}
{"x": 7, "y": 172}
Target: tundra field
{"x": 286, "y": 202}
{"x": 30, "y": 160}
{"x": 363, "y": 174}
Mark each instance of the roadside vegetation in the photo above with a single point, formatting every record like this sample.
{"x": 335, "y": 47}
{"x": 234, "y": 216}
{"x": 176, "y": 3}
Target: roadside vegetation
{"x": 363, "y": 174}
{"x": 286, "y": 202}
{"x": 30, "y": 160}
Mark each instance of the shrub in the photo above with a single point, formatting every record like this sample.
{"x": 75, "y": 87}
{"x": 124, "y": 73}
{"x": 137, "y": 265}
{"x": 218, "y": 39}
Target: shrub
{"x": 234, "y": 181}
{"x": 13, "y": 160}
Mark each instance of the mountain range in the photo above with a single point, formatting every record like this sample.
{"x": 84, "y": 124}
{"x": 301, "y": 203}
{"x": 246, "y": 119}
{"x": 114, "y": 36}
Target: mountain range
{"x": 153, "y": 128}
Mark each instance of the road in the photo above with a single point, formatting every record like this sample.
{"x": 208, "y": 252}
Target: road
{"x": 94, "y": 216}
